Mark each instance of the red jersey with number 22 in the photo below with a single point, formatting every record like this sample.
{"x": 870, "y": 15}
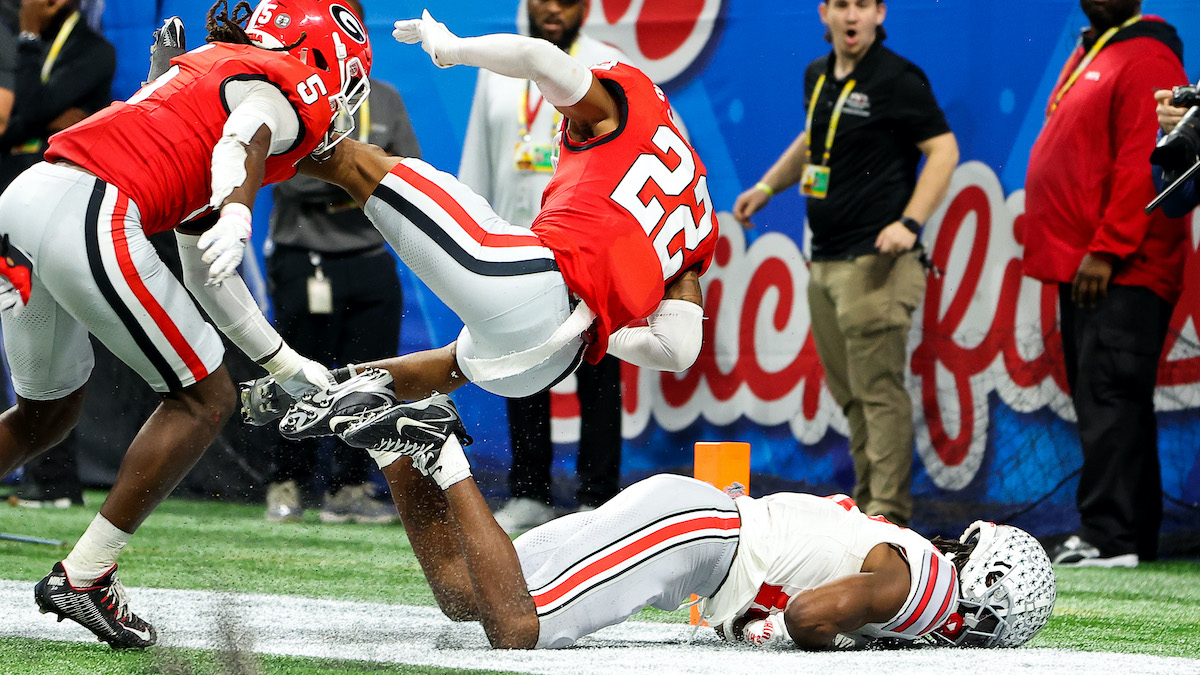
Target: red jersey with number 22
{"x": 628, "y": 212}
{"x": 157, "y": 147}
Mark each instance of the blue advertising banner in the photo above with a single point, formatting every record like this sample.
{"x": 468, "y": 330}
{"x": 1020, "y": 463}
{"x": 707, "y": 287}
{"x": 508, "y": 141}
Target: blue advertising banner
{"x": 996, "y": 436}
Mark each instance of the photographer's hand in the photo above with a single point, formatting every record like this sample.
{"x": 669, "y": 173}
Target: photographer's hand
{"x": 1168, "y": 115}
{"x": 1091, "y": 280}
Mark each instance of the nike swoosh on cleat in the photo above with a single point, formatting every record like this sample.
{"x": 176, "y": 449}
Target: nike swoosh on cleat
{"x": 144, "y": 634}
{"x": 408, "y": 422}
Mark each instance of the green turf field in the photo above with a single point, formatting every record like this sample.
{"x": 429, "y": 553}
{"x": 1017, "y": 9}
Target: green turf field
{"x": 1154, "y": 609}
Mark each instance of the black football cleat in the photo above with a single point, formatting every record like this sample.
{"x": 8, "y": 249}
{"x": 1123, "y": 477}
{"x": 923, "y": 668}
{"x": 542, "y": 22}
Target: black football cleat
{"x": 415, "y": 429}
{"x": 102, "y": 608}
{"x": 333, "y": 410}
{"x": 169, "y": 42}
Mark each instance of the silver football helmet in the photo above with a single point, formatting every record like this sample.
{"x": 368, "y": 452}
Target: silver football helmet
{"x": 1007, "y": 589}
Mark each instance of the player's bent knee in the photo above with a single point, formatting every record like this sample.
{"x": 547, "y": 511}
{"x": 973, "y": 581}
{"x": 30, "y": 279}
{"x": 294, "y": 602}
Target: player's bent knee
{"x": 514, "y": 632}
{"x": 211, "y": 400}
{"x": 44, "y": 424}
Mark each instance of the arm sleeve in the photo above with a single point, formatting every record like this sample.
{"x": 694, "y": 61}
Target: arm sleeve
{"x": 230, "y": 304}
{"x": 562, "y": 80}
{"x": 1124, "y": 221}
{"x": 670, "y": 341}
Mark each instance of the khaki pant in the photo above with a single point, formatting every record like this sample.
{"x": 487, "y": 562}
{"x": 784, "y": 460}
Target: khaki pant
{"x": 861, "y": 313}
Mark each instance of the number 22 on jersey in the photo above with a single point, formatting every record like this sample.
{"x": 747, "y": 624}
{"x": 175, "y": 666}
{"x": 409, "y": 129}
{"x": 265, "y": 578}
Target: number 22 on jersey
{"x": 663, "y": 228}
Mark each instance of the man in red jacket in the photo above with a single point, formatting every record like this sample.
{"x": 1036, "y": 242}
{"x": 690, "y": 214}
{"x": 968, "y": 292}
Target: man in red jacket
{"x": 1118, "y": 270}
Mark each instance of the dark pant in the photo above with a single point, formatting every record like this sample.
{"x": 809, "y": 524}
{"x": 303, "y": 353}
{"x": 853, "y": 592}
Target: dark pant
{"x": 599, "y": 459}
{"x": 363, "y": 326}
{"x": 1111, "y": 353}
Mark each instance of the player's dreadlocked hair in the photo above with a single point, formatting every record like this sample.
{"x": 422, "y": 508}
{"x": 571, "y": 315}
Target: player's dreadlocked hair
{"x": 226, "y": 26}
{"x": 222, "y": 27}
{"x": 958, "y": 552}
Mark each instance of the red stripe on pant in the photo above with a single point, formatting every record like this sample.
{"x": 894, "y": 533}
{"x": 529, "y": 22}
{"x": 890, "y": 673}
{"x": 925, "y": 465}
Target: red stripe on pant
{"x": 633, "y": 548}
{"x": 455, "y": 210}
{"x": 160, "y": 317}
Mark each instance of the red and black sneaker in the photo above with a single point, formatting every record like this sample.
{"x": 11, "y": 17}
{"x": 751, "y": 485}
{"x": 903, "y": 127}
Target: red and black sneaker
{"x": 102, "y": 608}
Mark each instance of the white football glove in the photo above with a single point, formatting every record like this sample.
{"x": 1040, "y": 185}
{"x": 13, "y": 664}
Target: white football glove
{"x": 298, "y": 375}
{"x": 769, "y": 632}
{"x": 224, "y": 243}
{"x": 435, "y": 38}
{"x": 310, "y": 377}
{"x": 10, "y": 297}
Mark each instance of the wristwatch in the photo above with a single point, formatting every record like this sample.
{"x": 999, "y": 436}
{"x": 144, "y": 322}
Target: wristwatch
{"x": 912, "y": 225}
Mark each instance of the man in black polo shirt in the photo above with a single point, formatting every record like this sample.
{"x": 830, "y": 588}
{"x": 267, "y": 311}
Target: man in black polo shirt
{"x": 870, "y": 116}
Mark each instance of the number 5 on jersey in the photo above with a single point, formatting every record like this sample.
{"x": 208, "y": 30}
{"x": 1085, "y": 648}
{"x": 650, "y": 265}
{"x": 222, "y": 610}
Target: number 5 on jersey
{"x": 308, "y": 90}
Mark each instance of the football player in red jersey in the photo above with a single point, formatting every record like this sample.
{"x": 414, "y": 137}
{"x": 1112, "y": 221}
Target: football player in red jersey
{"x": 188, "y": 151}
{"x": 625, "y": 229}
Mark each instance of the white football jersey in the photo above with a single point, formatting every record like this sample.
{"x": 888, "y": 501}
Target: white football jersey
{"x": 794, "y": 542}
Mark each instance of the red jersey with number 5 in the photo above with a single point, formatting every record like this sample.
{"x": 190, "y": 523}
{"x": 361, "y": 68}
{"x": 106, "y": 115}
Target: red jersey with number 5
{"x": 628, "y": 212}
{"x": 157, "y": 147}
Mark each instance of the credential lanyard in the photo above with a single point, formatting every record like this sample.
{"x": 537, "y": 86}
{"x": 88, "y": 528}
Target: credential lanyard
{"x": 526, "y": 115}
{"x": 833, "y": 119}
{"x": 57, "y": 45}
{"x": 364, "y": 120}
{"x": 1087, "y": 61}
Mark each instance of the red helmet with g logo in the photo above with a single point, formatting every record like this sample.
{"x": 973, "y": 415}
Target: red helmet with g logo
{"x": 330, "y": 37}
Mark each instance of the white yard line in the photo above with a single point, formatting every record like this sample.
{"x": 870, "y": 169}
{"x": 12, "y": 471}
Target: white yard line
{"x": 290, "y": 625}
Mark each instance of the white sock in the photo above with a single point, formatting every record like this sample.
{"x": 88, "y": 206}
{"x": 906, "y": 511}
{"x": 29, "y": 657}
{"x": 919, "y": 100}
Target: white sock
{"x": 95, "y": 552}
{"x": 452, "y": 465}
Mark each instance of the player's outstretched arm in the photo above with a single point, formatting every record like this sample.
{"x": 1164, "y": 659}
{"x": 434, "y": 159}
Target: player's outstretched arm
{"x": 355, "y": 167}
{"x": 210, "y": 260}
{"x": 565, "y": 83}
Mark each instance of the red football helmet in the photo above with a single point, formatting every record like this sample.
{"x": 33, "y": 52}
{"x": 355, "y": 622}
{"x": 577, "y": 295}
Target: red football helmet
{"x": 327, "y": 35}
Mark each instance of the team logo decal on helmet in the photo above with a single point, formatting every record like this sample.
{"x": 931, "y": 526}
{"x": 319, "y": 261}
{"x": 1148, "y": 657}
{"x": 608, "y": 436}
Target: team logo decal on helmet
{"x": 349, "y": 23}
{"x": 283, "y": 21}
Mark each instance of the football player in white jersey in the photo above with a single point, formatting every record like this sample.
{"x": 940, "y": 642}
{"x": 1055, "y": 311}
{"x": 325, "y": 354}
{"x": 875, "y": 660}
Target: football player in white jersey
{"x": 786, "y": 569}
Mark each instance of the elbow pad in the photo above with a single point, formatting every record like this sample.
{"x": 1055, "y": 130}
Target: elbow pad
{"x": 229, "y": 304}
{"x": 670, "y": 341}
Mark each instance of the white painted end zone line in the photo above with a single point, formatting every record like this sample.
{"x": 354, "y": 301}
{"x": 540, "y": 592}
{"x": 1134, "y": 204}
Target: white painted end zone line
{"x": 289, "y": 625}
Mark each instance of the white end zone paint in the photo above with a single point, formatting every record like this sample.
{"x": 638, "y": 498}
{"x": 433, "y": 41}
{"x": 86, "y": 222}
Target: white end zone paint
{"x": 297, "y": 626}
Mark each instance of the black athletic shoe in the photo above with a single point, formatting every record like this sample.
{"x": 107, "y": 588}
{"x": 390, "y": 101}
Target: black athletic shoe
{"x": 330, "y": 411}
{"x": 412, "y": 429}
{"x": 102, "y": 608}
{"x": 169, "y": 42}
